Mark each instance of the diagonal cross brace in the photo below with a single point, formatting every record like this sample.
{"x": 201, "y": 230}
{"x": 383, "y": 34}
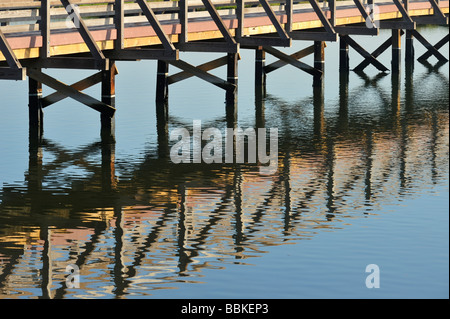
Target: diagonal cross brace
{"x": 79, "y": 86}
{"x": 369, "y": 57}
{"x": 297, "y": 55}
{"x": 75, "y": 15}
{"x": 10, "y": 57}
{"x": 273, "y": 18}
{"x": 203, "y": 75}
{"x": 151, "y": 17}
{"x": 293, "y": 61}
{"x": 69, "y": 91}
{"x": 383, "y": 47}
{"x": 218, "y": 21}
{"x": 432, "y": 50}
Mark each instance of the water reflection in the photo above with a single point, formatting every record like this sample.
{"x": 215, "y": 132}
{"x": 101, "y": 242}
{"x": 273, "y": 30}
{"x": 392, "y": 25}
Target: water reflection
{"x": 165, "y": 223}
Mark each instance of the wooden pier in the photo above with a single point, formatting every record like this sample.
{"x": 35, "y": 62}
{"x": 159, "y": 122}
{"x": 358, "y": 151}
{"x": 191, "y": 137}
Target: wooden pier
{"x": 93, "y": 34}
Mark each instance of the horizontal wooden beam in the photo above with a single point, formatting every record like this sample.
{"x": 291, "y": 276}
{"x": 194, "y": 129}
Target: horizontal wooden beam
{"x": 142, "y": 54}
{"x": 292, "y": 61}
{"x": 203, "y": 75}
{"x": 314, "y": 36}
{"x": 436, "y": 20}
{"x": 346, "y": 30}
{"x": 7, "y": 73}
{"x": 82, "y": 63}
{"x": 209, "y": 47}
{"x": 63, "y": 88}
{"x": 256, "y": 41}
{"x": 297, "y": 55}
{"x": 405, "y": 25}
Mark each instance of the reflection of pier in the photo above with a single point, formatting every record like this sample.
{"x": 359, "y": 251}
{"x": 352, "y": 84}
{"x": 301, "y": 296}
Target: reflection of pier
{"x": 169, "y": 220}
{"x": 37, "y": 35}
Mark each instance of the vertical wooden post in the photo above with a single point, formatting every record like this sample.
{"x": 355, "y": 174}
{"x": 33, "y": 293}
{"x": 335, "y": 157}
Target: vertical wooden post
{"x": 319, "y": 62}
{"x": 260, "y": 61}
{"x": 119, "y": 20}
{"x": 344, "y": 59}
{"x": 289, "y": 13}
{"x": 35, "y": 112}
{"x": 183, "y": 17}
{"x": 332, "y": 6}
{"x": 396, "y": 50}
{"x": 231, "y": 94}
{"x": 162, "y": 86}
{"x": 44, "y": 27}
{"x": 108, "y": 97}
{"x": 240, "y": 5}
{"x": 409, "y": 46}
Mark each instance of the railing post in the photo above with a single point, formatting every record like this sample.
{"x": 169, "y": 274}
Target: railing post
{"x": 119, "y": 20}
{"x": 289, "y": 13}
{"x": 44, "y": 27}
{"x": 332, "y": 6}
{"x": 183, "y": 17}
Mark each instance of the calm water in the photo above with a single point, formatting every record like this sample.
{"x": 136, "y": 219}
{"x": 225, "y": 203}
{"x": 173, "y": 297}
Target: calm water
{"x": 362, "y": 179}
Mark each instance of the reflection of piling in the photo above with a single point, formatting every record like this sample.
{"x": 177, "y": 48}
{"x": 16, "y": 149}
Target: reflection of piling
{"x": 319, "y": 111}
